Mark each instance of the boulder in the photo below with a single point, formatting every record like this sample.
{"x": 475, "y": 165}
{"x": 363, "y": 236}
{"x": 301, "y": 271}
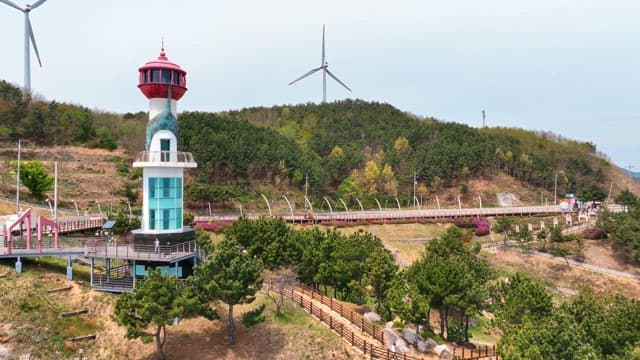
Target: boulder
{"x": 431, "y": 344}
{"x": 401, "y": 345}
{"x": 443, "y": 351}
{"x": 411, "y": 336}
{"x": 389, "y": 325}
{"x": 371, "y": 316}
{"x": 389, "y": 337}
{"x": 421, "y": 346}
{"x": 426, "y": 345}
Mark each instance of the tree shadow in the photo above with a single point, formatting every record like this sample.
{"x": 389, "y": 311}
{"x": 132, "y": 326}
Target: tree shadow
{"x": 203, "y": 339}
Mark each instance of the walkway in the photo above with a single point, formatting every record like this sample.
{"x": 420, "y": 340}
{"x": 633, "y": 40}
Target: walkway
{"x": 359, "y": 332}
{"x": 398, "y": 214}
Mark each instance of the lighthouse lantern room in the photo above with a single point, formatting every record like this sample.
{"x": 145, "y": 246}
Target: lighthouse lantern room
{"x": 163, "y": 83}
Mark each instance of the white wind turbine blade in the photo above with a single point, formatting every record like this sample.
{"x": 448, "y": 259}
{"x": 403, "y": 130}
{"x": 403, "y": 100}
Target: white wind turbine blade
{"x": 305, "y": 75}
{"x": 33, "y": 40}
{"x": 12, "y": 4}
{"x": 322, "y": 61}
{"x": 37, "y": 3}
{"x": 336, "y": 79}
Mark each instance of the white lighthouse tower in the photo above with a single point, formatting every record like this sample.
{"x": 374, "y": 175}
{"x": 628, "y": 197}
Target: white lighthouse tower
{"x": 163, "y": 83}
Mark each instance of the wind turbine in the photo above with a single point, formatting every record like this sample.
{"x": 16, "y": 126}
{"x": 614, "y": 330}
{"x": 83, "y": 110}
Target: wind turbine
{"x": 324, "y": 66}
{"x": 28, "y": 35}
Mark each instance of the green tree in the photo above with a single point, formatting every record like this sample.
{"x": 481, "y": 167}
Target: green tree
{"x": 35, "y": 177}
{"x": 452, "y": 276}
{"x": 592, "y": 193}
{"x": 230, "y": 275}
{"x": 626, "y": 198}
{"x": 157, "y": 302}
{"x": 405, "y": 301}
{"x": 380, "y": 270}
{"x": 518, "y": 299}
{"x": 503, "y": 225}
{"x": 552, "y": 337}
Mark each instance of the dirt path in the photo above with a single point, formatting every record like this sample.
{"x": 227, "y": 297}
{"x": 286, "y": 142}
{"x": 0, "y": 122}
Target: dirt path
{"x": 573, "y": 276}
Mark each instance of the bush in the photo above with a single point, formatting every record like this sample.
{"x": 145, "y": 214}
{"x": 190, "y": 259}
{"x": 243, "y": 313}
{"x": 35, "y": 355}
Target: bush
{"x": 254, "y": 316}
{"x": 216, "y": 226}
{"x": 463, "y": 223}
{"x": 594, "y": 233}
{"x": 482, "y": 230}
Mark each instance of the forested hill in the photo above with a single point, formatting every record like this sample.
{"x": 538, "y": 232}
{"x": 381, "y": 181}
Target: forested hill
{"x": 348, "y": 149}
{"x": 357, "y": 149}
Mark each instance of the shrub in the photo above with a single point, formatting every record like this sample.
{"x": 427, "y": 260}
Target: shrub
{"x": 594, "y": 233}
{"x": 216, "y": 227}
{"x": 254, "y": 316}
{"x": 464, "y": 223}
{"x": 482, "y": 230}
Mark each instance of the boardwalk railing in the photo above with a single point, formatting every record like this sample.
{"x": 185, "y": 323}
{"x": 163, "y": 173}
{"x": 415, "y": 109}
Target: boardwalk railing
{"x": 127, "y": 250}
{"x": 336, "y": 324}
{"x": 79, "y": 224}
{"x": 396, "y": 214}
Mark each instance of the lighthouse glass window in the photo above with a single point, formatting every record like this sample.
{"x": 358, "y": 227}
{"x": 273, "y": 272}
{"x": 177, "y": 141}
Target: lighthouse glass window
{"x": 166, "y": 76}
{"x": 165, "y": 203}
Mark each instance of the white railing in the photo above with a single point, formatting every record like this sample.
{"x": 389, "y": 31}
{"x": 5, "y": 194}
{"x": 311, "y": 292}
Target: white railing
{"x": 165, "y": 157}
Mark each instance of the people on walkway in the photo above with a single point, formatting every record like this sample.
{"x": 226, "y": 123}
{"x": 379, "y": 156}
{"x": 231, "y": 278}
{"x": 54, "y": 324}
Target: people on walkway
{"x": 156, "y": 246}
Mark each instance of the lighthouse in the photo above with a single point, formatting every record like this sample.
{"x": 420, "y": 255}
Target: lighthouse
{"x": 163, "y": 83}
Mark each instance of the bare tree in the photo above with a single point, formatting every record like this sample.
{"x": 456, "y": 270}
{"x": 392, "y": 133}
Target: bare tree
{"x": 280, "y": 280}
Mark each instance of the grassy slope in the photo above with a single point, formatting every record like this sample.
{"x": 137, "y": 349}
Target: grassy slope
{"x": 30, "y": 323}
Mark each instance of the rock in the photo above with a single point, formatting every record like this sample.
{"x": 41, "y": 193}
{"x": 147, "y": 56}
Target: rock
{"x": 443, "y": 351}
{"x": 411, "y": 336}
{"x": 371, "y": 316}
{"x": 389, "y": 337}
{"x": 401, "y": 345}
{"x": 431, "y": 344}
{"x": 421, "y": 346}
{"x": 389, "y": 325}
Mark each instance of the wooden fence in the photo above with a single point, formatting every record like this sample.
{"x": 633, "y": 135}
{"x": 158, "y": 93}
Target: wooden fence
{"x": 365, "y": 326}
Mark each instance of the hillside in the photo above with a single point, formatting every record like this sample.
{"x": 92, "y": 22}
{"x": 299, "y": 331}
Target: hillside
{"x": 350, "y": 150}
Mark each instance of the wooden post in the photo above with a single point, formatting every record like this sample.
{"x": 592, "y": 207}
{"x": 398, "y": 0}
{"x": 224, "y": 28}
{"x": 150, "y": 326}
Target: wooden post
{"x": 331, "y": 322}
{"x": 352, "y": 338}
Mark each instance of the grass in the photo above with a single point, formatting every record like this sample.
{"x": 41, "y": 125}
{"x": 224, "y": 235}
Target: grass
{"x": 481, "y": 333}
{"x": 34, "y": 314}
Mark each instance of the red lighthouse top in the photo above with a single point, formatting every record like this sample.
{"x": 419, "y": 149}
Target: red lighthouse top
{"x": 157, "y": 75}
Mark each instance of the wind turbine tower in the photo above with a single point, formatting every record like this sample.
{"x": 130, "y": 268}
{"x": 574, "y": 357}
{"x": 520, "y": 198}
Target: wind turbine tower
{"x": 28, "y": 38}
{"x": 324, "y": 66}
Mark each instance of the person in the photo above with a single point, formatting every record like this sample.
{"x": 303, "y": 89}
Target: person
{"x": 156, "y": 246}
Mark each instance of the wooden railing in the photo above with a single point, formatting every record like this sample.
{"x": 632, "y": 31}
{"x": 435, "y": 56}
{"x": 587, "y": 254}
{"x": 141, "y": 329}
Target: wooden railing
{"x": 365, "y": 326}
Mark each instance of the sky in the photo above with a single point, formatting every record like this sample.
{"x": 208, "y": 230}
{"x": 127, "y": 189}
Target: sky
{"x": 569, "y": 67}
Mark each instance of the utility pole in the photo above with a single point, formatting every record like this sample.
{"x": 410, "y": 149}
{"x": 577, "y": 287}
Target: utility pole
{"x": 555, "y": 190}
{"x": 18, "y": 182}
{"x": 414, "y": 189}
{"x": 483, "y": 117}
{"x": 306, "y": 191}
{"x": 55, "y": 192}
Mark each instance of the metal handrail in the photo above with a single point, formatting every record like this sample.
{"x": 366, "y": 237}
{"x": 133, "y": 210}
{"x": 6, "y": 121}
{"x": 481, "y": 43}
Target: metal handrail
{"x": 165, "y": 156}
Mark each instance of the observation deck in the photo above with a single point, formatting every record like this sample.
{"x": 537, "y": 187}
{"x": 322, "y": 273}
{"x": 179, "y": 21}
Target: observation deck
{"x": 170, "y": 159}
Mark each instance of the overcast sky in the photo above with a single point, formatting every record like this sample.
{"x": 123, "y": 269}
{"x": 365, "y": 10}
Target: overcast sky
{"x": 570, "y": 67}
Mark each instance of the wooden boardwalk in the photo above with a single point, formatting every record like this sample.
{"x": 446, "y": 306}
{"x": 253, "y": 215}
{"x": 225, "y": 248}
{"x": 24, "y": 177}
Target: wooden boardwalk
{"x": 102, "y": 249}
{"x": 399, "y": 214}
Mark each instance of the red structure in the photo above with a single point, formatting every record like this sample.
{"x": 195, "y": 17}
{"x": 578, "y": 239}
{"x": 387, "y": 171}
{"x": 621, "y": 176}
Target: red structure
{"x": 155, "y": 75}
